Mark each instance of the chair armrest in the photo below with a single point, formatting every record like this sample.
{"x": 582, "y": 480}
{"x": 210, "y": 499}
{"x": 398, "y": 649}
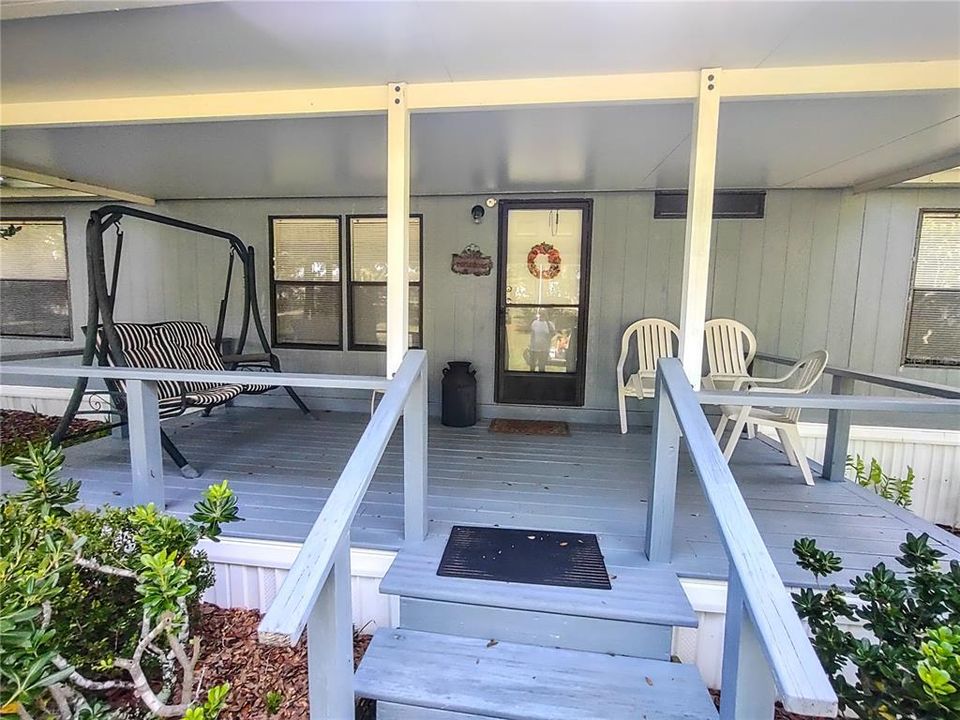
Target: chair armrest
{"x": 725, "y": 381}
{"x": 776, "y": 391}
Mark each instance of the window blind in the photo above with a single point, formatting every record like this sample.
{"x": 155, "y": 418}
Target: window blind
{"x": 933, "y": 319}
{"x": 307, "y": 296}
{"x": 368, "y": 249}
{"x": 368, "y": 276}
{"x": 34, "y": 286}
{"x": 306, "y": 249}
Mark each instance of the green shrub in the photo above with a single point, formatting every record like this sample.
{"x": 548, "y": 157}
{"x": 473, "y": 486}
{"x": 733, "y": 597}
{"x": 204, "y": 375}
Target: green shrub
{"x": 910, "y": 667}
{"x": 896, "y": 490}
{"x": 97, "y": 600}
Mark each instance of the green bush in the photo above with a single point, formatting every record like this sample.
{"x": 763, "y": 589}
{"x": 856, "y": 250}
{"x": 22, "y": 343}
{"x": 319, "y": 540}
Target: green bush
{"x": 98, "y": 600}
{"x": 896, "y": 490}
{"x": 910, "y": 667}
{"x": 100, "y": 614}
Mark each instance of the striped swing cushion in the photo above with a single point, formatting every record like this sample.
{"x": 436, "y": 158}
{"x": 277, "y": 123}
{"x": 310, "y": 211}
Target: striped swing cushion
{"x": 177, "y": 345}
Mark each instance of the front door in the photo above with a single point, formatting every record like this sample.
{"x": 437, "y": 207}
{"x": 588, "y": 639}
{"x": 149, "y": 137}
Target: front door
{"x": 544, "y": 269}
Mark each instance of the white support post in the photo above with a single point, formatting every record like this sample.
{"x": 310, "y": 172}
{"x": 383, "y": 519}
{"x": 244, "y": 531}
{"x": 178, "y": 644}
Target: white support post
{"x": 146, "y": 455}
{"x": 415, "y": 460}
{"x": 696, "y": 252}
{"x": 749, "y": 691}
{"x": 398, "y": 221}
{"x": 330, "y": 644}
{"x": 661, "y": 505}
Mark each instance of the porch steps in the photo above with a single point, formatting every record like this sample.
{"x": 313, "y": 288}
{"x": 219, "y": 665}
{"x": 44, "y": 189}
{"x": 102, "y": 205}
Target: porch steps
{"x": 468, "y": 648}
{"x": 635, "y": 617}
{"x": 422, "y": 675}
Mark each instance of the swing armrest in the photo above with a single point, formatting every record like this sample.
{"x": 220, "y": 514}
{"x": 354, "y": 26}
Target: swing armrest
{"x": 243, "y": 359}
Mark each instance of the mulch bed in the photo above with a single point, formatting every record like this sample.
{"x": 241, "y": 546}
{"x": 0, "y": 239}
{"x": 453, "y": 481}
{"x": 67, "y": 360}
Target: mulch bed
{"x": 950, "y": 529}
{"x": 529, "y": 427}
{"x": 19, "y": 427}
{"x": 230, "y": 653}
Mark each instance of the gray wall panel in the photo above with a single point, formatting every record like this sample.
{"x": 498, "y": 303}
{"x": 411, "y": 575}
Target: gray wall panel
{"x": 824, "y": 268}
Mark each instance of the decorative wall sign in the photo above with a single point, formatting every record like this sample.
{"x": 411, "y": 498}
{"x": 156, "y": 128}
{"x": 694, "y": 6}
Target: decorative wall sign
{"x": 471, "y": 261}
{"x": 546, "y": 270}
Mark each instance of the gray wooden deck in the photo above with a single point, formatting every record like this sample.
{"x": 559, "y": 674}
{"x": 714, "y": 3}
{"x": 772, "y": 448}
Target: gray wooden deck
{"x": 282, "y": 467}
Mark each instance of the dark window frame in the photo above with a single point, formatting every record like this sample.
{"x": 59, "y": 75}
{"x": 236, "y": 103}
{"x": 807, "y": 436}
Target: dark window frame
{"x": 274, "y": 283}
{"x": 585, "y": 204}
{"x": 350, "y": 282}
{"x": 66, "y": 261}
{"x": 905, "y": 360}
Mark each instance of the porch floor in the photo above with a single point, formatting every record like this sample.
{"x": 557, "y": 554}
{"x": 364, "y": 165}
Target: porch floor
{"x": 282, "y": 467}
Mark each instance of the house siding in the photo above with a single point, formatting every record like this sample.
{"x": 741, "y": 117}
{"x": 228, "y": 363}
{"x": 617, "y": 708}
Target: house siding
{"x": 824, "y": 268}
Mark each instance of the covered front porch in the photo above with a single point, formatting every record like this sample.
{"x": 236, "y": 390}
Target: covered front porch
{"x": 283, "y": 467}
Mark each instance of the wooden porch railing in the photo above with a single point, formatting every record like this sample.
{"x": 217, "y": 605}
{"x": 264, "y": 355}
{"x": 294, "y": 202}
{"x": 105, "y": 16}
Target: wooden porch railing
{"x": 146, "y": 454}
{"x": 766, "y": 650}
{"x": 316, "y": 592}
{"x": 838, "y": 419}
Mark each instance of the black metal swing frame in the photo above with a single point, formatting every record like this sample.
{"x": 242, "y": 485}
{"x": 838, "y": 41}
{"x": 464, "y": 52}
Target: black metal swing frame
{"x": 102, "y": 342}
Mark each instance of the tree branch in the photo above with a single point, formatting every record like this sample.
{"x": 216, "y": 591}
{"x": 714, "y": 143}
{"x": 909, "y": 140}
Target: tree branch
{"x": 106, "y": 569}
{"x": 60, "y": 698}
{"x": 77, "y": 679}
{"x": 140, "y": 684}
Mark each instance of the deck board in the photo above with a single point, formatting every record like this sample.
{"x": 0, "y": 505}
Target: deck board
{"x": 283, "y": 467}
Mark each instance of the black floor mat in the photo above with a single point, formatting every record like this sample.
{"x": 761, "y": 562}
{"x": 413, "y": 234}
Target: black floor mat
{"x": 525, "y": 556}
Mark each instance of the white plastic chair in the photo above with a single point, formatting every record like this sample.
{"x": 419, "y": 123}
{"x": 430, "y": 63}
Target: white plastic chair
{"x": 798, "y": 381}
{"x": 731, "y": 347}
{"x": 655, "y": 338}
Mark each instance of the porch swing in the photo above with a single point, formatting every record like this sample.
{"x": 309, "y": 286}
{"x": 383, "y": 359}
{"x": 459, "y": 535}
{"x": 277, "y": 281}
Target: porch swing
{"x": 176, "y": 344}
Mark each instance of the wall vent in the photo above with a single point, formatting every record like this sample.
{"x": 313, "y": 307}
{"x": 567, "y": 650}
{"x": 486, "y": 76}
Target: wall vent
{"x": 727, "y": 204}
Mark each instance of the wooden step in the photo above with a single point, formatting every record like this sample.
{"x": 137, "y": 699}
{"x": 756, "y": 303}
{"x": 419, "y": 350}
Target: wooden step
{"x": 538, "y": 628}
{"x": 447, "y": 676}
{"x": 640, "y": 593}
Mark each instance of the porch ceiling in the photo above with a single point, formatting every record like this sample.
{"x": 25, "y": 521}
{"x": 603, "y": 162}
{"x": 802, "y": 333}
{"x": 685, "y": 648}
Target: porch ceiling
{"x": 774, "y": 143}
{"x": 186, "y": 47}
{"x": 225, "y": 46}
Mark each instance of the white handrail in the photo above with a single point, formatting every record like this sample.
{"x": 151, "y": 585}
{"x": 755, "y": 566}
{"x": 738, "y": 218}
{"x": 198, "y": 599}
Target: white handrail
{"x": 316, "y": 592}
{"x": 216, "y": 377}
{"x": 922, "y": 387}
{"x": 285, "y": 620}
{"x": 873, "y": 403}
{"x": 755, "y": 585}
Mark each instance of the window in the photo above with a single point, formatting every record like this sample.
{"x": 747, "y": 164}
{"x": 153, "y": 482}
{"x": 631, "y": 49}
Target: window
{"x": 367, "y": 245}
{"x": 306, "y": 287}
{"x": 932, "y": 334}
{"x": 34, "y": 289}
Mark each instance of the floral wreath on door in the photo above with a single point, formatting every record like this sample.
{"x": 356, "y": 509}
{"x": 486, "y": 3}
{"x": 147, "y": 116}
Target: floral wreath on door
{"x": 553, "y": 258}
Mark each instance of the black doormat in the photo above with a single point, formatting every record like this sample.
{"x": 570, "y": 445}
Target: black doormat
{"x": 525, "y": 556}
{"x": 529, "y": 427}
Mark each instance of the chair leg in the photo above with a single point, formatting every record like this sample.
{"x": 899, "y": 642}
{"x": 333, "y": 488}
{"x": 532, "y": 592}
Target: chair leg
{"x": 721, "y": 426}
{"x": 186, "y": 469}
{"x": 623, "y": 413}
{"x": 751, "y": 431}
{"x": 788, "y": 449}
{"x": 794, "y": 434}
{"x": 735, "y": 435}
{"x": 300, "y": 403}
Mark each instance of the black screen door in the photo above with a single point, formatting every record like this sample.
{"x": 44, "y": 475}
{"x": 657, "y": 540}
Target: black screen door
{"x": 544, "y": 268}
